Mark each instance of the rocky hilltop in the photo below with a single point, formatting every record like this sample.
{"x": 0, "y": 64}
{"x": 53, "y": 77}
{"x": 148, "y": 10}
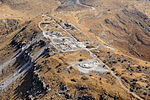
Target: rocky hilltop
{"x": 74, "y": 49}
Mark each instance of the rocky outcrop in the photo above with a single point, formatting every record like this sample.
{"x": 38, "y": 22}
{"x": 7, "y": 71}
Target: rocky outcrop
{"x": 38, "y": 87}
{"x": 8, "y": 25}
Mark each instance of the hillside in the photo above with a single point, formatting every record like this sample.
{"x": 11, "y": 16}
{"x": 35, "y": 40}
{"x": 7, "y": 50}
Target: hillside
{"x": 74, "y": 49}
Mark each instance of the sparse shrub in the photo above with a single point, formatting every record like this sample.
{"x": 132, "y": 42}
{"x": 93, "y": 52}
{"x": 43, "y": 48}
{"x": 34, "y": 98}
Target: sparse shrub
{"x": 113, "y": 69}
{"x": 84, "y": 78}
{"x": 80, "y": 60}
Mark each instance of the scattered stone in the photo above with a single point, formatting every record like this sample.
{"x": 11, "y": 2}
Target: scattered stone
{"x": 86, "y": 98}
{"x": 67, "y": 24}
{"x": 38, "y": 67}
{"x": 102, "y": 97}
{"x": 67, "y": 95}
{"x": 79, "y": 88}
{"x": 17, "y": 45}
{"x": 42, "y": 43}
{"x": 62, "y": 86}
{"x": 37, "y": 88}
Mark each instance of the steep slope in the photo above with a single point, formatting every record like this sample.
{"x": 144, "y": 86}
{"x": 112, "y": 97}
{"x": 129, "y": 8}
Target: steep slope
{"x": 74, "y": 49}
{"x": 128, "y": 30}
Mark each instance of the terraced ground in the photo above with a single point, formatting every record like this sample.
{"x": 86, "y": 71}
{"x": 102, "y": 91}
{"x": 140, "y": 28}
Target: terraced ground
{"x": 74, "y": 49}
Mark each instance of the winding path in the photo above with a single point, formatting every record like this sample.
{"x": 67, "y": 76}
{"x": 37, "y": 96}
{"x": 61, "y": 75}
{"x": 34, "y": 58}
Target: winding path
{"x": 90, "y": 6}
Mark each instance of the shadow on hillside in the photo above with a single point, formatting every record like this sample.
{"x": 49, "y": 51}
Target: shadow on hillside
{"x": 26, "y": 84}
{"x": 31, "y": 86}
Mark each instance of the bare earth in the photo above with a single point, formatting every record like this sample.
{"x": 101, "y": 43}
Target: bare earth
{"x": 74, "y": 49}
